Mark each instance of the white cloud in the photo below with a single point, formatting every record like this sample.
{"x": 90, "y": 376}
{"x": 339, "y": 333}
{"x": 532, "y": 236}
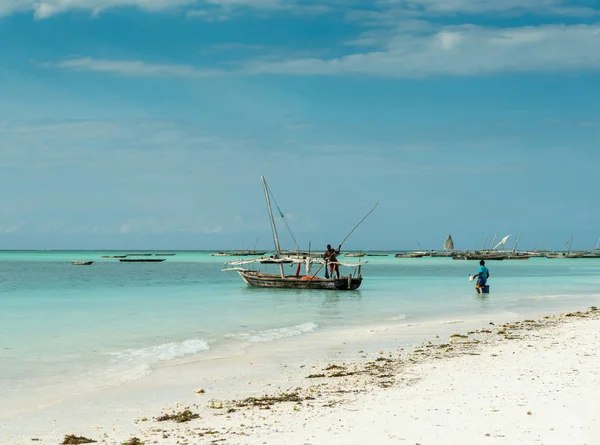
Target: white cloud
{"x": 405, "y": 53}
{"x": 44, "y": 9}
{"x": 47, "y": 8}
{"x": 459, "y": 50}
{"x": 132, "y": 68}
{"x": 551, "y": 7}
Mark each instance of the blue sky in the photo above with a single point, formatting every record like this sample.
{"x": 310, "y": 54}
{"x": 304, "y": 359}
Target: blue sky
{"x": 132, "y": 124}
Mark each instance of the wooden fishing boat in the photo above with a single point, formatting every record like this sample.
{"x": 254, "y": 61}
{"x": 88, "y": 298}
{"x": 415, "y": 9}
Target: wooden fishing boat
{"x": 255, "y": 278}
{"x": 410, "y": 255}
{"x": 82, "y": 263}
{"x": 479, "y": 256}
{"x": 113, "y": 256}
{"x": 357, "y": 255}
{"x": 240, "y": 253}
{"x": 142, "y": 260}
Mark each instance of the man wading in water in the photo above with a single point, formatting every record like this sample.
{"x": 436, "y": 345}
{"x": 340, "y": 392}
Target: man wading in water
{"x": 482, "y": 275}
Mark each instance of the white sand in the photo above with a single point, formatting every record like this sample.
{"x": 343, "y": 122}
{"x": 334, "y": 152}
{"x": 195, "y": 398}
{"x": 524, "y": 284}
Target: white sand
{"x": 533, "y": 383}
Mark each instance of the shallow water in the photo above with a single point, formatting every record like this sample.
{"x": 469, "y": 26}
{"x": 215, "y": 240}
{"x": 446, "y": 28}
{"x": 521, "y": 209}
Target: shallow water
{"x": 68, "y": 329}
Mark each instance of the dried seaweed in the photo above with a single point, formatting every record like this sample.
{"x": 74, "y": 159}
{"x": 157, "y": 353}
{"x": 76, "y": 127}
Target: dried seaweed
{"x": 72, "y": 439}
{"x": 183, "y": 416}
{"x": 268, "y": 401}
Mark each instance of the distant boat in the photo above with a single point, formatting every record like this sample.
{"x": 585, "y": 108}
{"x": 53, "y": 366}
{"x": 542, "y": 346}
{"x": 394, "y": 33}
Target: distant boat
{"x": 82, "y": 263}
{"x": 479, "y": 256}
{"x": 567, "y": 254}
{"x": 164, "y": 254}
{"x": 358, "y": 255}
{"x": 441, "y": 254}
{"x": 377, "y": 254}
{"x": 240, "y": 253}
{"x": 142, "y": 260}
{"x": 139, "y": 254}
{"x": 113, "y": 256}
{"x": 449, "y": 244}
{"x": 515, "y": 254}
{"x": 410, "y": 255}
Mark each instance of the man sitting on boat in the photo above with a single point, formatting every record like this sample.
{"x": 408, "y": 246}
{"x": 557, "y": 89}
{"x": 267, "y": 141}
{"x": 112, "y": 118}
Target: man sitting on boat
{"x": 331, "y": 258}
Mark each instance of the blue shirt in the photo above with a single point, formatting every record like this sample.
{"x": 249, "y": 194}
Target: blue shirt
{"x": 485, "y": 273}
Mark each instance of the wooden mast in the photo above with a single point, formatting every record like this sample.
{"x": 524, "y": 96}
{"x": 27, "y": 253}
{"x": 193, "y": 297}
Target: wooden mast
{"x": 516, "y": 244}
{"x": 275, "y": 236}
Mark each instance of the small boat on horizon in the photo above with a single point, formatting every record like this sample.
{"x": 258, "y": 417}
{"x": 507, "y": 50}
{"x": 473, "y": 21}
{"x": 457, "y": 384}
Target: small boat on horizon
{"x": 239, "y": 253}
{"x": 142, "y": 260}
{"x": 82, "y": 263}
{"x": 410, "y": 255}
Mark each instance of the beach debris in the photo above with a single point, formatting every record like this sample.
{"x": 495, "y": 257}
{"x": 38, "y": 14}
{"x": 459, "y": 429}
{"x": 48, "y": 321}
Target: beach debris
{"x": 331, "y": 367}
{"x": 199, "y": 391}
{"x": 35, "y": 439}
{"x": 459, "y": 336}
{"x": 315, "y": 376}
{"x": 133, "y": 441}
{"x": 180, "y": 417}
{"x": 267, "y": 401}
{"x": 72, "y": 439}
{"x": 529, "y": 413}
{"x": 216, "y": 404}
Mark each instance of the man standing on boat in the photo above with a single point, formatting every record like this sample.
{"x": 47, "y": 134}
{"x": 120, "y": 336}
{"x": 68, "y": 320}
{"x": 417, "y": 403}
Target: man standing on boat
{"x": 482, "y": 275}
{"x": 330, "y": 256}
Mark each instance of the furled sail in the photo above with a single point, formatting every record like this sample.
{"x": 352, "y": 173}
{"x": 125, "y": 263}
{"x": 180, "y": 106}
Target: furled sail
{"x": 449, "y": 244}
{"x": 502, "y": 242}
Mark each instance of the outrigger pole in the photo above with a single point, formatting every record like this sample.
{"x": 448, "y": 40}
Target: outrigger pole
{"x": 340, "y": 246}
{"x": 273, "y": 225}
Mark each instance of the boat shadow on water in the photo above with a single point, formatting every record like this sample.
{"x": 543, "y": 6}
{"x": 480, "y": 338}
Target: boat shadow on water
{"x": 327, "y": 295}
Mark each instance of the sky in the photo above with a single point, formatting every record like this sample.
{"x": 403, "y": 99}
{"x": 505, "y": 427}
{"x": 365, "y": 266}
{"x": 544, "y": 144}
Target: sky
{"x": 147, "y": 124}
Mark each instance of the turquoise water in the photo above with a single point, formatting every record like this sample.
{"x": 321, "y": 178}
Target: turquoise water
{"x": 84, "y": 327}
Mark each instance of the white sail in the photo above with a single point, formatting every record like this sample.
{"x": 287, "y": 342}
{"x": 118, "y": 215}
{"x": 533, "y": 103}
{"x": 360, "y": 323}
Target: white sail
{"x": 502, "y": 242}
{"x": 449, "y": 244}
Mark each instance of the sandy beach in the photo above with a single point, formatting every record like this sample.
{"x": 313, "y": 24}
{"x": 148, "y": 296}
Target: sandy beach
{"x": 520, "y": 382}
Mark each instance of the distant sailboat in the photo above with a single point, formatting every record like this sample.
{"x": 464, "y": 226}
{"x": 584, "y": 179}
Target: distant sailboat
{"x": 449, "y": 244}
{"x": 502, "y": 242}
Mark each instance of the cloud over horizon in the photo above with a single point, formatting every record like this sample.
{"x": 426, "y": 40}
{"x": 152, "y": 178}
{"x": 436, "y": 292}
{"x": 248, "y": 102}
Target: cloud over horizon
{"x": 452, "y": 50}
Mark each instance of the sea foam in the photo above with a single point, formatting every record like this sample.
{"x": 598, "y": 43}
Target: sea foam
{"x": 275, "y": 334}
{"x": 167, "y": 351}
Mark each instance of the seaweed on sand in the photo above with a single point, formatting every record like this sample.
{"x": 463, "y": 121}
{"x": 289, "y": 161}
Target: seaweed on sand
{"x": 180, "y": 417}
{"x": 133, "y": 441}
{"x": 72, "y": 439}
{"x": 267, "y": 401}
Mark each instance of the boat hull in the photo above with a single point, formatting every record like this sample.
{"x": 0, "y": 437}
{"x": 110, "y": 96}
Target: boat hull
{"x": 142, "y": 260}
{"x": 257, "y": 279}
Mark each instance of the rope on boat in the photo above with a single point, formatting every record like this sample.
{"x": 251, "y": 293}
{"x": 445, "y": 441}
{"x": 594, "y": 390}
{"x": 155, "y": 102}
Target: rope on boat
{"x": 283, "y": 217}
{"x": 347, "y": 236}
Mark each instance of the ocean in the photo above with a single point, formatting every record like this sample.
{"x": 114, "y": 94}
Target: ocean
{"x": 67, "y": 330}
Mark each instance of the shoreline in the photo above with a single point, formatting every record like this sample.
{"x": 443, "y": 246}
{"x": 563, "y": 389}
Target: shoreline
{"x": 311, "y": 389}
